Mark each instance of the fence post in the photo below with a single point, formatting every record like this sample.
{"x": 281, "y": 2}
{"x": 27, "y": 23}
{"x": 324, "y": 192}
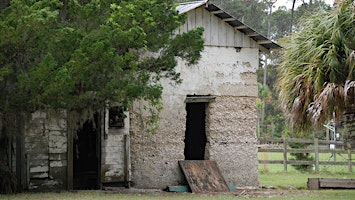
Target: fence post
{"x": 349, "y": 157}
{"x": 316, "y": 151}
{"x": 285, "y": 153}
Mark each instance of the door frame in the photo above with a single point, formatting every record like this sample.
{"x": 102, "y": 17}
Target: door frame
{"x": 207, "y": 99}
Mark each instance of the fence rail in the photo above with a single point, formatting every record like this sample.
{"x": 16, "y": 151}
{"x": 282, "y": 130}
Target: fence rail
{"x": 315, "y": 147}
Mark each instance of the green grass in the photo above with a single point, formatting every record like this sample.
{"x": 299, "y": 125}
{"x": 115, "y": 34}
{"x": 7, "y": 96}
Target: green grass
{"x": 294, "y": 179}
{"x": 274, "y": 194}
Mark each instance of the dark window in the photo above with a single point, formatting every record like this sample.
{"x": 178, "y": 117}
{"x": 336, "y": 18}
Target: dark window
{"x": 116, "y": 117}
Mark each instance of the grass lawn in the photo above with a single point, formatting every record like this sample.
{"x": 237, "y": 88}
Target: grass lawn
{"x": 288, "y": 185}
{"x": 296, "y": 180}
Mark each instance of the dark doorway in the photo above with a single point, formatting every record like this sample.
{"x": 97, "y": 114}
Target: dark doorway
{"x": 86, "y": 151}
{"x": 195, "y": 135}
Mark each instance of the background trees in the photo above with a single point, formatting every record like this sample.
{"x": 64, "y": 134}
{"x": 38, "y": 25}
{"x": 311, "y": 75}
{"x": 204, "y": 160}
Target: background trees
{"x": 82, "y": 55}
{"x": 36, "y": 73}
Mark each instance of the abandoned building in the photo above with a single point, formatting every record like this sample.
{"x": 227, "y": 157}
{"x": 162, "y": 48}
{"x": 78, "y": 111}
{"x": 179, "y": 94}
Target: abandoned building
{"x": 211, "y": 115}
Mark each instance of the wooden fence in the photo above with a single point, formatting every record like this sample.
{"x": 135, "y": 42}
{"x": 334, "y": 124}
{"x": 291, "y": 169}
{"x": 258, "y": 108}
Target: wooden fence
{"x": 314, "y": 147}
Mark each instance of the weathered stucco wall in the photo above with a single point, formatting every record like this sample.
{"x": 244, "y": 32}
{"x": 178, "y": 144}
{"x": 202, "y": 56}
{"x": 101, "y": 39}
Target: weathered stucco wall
{"x": 46, "y": 150}
{"x": 113, "y": 152}
{"x": 229, "y": 75}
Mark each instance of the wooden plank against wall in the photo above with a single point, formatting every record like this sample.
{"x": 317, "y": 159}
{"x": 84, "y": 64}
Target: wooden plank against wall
{"x": 203, "y": 176}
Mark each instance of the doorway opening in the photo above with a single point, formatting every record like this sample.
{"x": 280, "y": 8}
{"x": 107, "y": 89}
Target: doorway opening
{"x": 86, "y": 156}
{"x": 195, "y": 135}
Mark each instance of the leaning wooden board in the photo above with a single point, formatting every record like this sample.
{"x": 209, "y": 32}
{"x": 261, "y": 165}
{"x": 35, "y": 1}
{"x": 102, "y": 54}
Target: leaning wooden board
{"x": 203, "y": 176}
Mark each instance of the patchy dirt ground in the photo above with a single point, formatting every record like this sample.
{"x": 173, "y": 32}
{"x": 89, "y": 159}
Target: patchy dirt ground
{"x": 263, "y": 192}
{"x": 270, "y": 193}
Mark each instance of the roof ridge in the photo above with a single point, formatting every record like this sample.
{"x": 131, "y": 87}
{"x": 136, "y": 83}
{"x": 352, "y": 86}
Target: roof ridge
{"x": 232, "y": 21}
{"x": 193, "y": 2}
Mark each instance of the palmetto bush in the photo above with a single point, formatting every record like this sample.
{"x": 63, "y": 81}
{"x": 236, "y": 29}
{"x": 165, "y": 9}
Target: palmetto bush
{"x": 316, "y": 77}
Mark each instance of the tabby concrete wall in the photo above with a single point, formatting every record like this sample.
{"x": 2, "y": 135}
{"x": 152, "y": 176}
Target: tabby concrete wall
{"x": 230, "y": 76}
{"x": 232, "y": 141}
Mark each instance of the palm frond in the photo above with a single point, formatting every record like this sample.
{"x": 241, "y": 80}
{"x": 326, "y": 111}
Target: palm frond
{"x": 328, "y": 101}
{"x": 316, "y": 75}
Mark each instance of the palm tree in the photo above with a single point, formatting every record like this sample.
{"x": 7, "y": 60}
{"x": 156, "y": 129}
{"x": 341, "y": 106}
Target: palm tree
{"x": 317, "y": 77}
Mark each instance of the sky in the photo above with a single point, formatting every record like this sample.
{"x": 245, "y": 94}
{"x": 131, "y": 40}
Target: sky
{"x": 288, "y": 3}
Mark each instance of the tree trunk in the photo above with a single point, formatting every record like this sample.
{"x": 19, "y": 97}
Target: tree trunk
{"x": 292, "y": 14}
{"x": 4, "y": 4}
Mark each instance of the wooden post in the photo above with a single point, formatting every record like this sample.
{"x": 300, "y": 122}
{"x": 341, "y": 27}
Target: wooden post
{"x": 127, "y": 156}
{"x": 27, "y": 171}
{"x": 316, "y": 150}
{"x": 348, "y": 144}
{"x": 20, "y": 162}
{"x": 70, "y": 159}
{"x": 285, "y": 153}
{"x": 9, "y": 153}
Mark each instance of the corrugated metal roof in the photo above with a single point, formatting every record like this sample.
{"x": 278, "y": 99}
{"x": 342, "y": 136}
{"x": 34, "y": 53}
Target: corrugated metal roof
{"x": 231, "y": 20}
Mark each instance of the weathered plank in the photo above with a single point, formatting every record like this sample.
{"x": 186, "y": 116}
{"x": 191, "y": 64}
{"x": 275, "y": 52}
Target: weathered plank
{"x": 330, "y": 183}
{"x": 222, "y": 33}
{"x": 337, "y": 183}
{"x": 214, "y": 30}
{"x": 207, "y": 26}
{"x": 203, "y": 176}
{"x": 191, "y": 20}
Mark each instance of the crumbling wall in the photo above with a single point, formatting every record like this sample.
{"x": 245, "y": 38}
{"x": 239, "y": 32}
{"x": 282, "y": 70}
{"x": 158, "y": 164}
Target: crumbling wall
{"x": 46, "y": 150}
